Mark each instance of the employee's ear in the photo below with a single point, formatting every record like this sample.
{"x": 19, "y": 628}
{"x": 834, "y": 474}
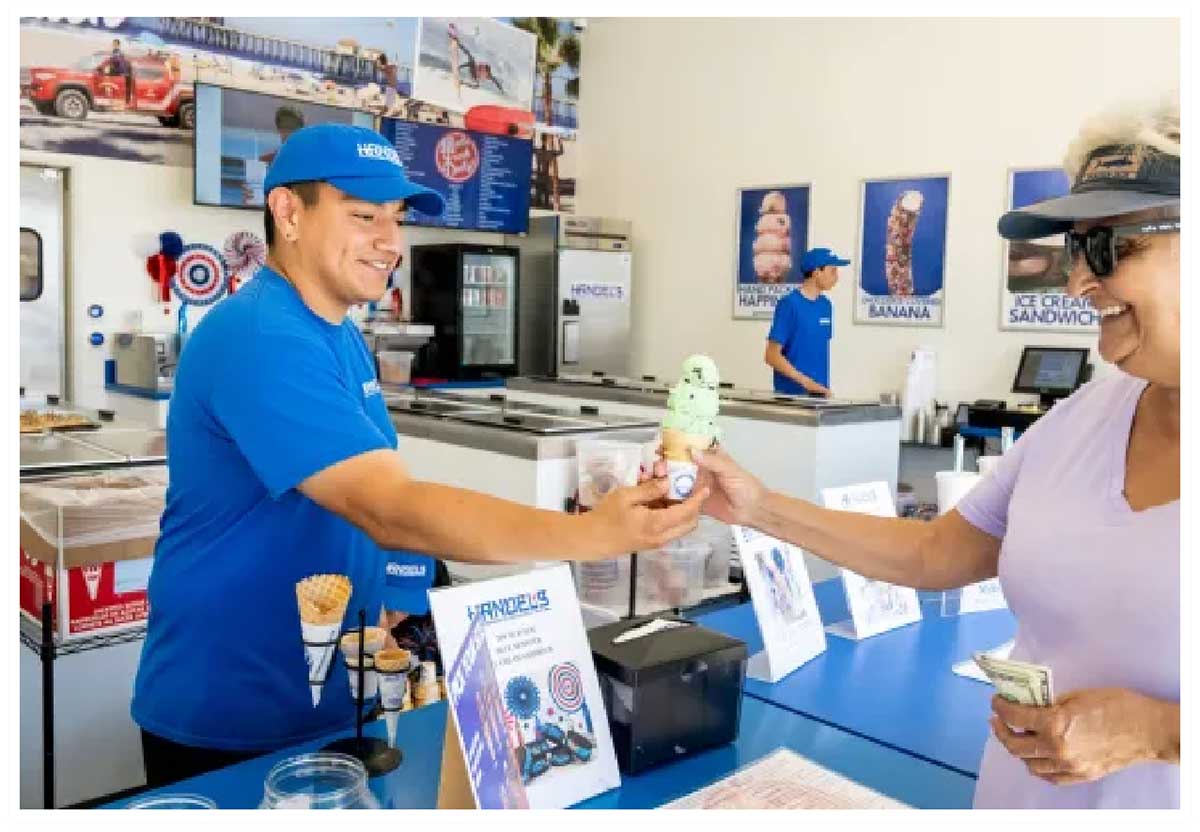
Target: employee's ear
{"x": 285, "y": 207}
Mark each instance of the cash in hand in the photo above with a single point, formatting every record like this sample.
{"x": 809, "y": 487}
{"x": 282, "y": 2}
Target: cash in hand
{"x": 1016, "y": 681}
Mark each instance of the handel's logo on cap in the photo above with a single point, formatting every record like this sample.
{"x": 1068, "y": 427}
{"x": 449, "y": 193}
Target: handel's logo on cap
{"x": 380, "y": 151}
{"x": 356, "y": 160}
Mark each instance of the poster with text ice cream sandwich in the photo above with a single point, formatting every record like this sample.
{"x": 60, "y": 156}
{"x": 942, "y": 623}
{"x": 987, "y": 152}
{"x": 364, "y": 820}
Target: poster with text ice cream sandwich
{"x": 552, "y": 708}
{"x": 1033, "y": 294}
{"x": 772, "y": 236}
{"x": 902, "y": 252}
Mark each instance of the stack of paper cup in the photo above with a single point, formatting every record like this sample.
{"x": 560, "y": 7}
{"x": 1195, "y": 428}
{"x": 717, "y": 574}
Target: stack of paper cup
{"x": 952, "y": 486}
{"x": 427, "y": 690}
{"x": 987, "y": 464}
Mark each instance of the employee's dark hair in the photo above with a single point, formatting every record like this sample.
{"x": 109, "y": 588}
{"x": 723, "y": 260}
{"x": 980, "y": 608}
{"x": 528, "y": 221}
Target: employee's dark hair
{"x": 807, "y": 274}
{"x": 288, "y": 118}
{"x": 308, "y": 192}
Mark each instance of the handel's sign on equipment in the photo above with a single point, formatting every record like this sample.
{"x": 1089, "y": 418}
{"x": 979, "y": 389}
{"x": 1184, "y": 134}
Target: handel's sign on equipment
{"x": 552, "y": 707}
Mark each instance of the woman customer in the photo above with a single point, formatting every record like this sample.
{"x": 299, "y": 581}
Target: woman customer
{"x": 1081, "y": 519}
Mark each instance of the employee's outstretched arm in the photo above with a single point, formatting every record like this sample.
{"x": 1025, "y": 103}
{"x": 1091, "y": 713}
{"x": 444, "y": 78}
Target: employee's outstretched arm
{"x": 945, "y": 553}
{"x": 777, "y": 361}
{"x": 374, "y": 492}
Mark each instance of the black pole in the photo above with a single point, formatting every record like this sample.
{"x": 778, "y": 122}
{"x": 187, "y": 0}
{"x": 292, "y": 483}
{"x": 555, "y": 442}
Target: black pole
{"x": 47, "y": 705}
{"x": 362, "y": 660}
{"x": 633, "y": 584}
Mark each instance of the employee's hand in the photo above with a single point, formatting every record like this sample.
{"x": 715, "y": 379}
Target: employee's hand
{"x": 1088, "y": 734}
{"x": 820, "y": 390}
{"x": 736, "y": 494}
{"x": 624, "y": 521}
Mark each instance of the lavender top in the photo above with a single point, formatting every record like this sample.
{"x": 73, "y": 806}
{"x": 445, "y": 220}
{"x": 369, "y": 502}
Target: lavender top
{"x": 1093, "y": 584}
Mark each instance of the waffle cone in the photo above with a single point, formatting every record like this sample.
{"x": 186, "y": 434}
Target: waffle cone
{"x": 675, "y": 444}
{"x": 392, "y": 660}
{"x": 322, "y": 599}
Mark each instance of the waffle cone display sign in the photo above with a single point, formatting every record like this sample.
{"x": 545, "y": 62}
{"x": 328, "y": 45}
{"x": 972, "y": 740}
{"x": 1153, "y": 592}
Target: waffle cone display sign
{"x": 322, "y": 601}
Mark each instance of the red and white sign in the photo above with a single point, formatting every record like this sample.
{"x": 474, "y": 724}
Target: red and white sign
{"x": 456, "y": 156}
{"x": 91, "y": 603}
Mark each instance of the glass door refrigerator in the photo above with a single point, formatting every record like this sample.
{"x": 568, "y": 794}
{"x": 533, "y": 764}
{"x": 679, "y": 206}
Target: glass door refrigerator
{"x": 469, "y": 293}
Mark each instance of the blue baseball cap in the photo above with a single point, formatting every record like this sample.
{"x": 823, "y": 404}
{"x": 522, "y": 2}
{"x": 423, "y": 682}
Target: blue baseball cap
{"x": 356, "y": 160}
{"x": 817, "y": 258}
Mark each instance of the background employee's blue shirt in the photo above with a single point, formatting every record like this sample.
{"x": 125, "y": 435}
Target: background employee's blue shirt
{"x": 803, "y": 328}
{"x": 266, "y": 395}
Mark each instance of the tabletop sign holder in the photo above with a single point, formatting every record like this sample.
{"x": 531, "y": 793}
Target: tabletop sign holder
{"x": 784, "y": 605}
{"x": 375, "y": 754}
{"x": 875, "y": 606}
{"x": 524, "y": 671}
{"x": 492, "y": 779}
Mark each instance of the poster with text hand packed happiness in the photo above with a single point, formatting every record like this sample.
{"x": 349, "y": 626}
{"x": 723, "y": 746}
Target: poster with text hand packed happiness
{"x": 475, "y": 699}
{"x": 554, "y": 713}
{"x": 784, "y": 605}
{"x": 772, "y": 236}
{"x": 902, "y": 252}
{"x": 875, "y": 606}
{"x": 1033, "y": 296}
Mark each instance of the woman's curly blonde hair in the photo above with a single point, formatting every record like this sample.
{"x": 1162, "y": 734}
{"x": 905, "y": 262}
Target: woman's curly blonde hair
{"x": 1154, "y": 124}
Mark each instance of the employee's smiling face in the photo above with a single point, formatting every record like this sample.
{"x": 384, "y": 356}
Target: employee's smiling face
{"x": 1139, "y": 302}
{"x": 351, "y": 245}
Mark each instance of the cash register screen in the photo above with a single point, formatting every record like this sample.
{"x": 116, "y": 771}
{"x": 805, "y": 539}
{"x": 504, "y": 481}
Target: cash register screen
{"x": 1050, "y": 370}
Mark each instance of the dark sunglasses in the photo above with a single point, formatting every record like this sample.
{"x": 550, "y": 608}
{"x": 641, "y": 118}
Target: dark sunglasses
{"x": 1099, "y": 243}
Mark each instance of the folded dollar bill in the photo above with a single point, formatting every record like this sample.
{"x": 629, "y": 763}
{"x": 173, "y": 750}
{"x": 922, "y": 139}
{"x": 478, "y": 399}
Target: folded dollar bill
{"x": 1017, "y": 681}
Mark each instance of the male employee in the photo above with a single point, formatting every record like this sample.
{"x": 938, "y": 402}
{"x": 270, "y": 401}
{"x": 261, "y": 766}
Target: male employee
{"x": 283, "y": 464}
{"x": 798, "y": 343}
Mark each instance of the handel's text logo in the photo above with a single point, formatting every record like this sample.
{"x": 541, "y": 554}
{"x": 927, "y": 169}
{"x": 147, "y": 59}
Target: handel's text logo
{"x": 499, "y": 609}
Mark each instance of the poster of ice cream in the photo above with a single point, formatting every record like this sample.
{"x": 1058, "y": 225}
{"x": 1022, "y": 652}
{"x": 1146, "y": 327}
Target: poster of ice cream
{"x": 902, "y": 242}
{"x": 1033, "y": 295}
{"x": 772, "y": 235}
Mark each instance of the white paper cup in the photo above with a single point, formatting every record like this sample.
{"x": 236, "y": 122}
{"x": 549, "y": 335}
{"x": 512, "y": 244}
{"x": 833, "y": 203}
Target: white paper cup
{"x": 952, "y": 486}
{"x": 681, "y": 477}
{"x": 987, "y": 464}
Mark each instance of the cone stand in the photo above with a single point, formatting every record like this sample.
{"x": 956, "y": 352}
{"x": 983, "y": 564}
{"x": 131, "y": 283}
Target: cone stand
{"x": 375, "y": 754}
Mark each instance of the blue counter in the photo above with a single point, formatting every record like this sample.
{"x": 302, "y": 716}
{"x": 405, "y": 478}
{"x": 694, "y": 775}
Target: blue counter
{"x": 764, "y": 728}
{"x": 897, "y": 688}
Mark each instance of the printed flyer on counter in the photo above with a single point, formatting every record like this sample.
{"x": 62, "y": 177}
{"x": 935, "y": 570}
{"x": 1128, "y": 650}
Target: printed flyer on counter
{"x": 785, "y": 780}
{"x": 474, "y": 694}
{"x": 553, "y": 709}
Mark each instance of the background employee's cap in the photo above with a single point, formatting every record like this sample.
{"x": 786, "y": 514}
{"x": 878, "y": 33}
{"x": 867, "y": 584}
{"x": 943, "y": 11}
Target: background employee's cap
{"x": 356, "y": 160}
{"x": 1116, "y": 179}
{"x": 817, "y": 258}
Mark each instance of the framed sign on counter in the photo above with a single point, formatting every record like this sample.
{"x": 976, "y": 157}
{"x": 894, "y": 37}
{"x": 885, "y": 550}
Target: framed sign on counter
{"x": 772, "y": 234}
{"x": 1033, "y": 291}
{"x": 902, "y": 252}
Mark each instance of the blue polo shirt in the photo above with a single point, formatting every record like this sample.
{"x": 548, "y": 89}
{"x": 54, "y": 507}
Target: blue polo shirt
{"x": 803, "y": 328}
{"x": 267, "y": 394}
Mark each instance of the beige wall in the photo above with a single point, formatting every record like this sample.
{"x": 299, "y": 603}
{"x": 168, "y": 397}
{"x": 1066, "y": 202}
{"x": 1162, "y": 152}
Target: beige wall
{"x": 680, "y": 113}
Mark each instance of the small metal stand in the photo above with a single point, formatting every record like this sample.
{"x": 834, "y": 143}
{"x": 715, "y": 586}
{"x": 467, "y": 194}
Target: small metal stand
{"x": 375, "y": 754}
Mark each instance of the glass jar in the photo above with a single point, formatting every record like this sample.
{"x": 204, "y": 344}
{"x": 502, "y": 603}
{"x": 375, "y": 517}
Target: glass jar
{"x": 321, "y": 780}
{"x": 171, "y": 801}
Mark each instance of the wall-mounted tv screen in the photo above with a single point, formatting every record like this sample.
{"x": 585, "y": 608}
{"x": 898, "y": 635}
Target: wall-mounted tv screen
{"x": 239, "y": 132}
{"x": 484, "y": 178}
